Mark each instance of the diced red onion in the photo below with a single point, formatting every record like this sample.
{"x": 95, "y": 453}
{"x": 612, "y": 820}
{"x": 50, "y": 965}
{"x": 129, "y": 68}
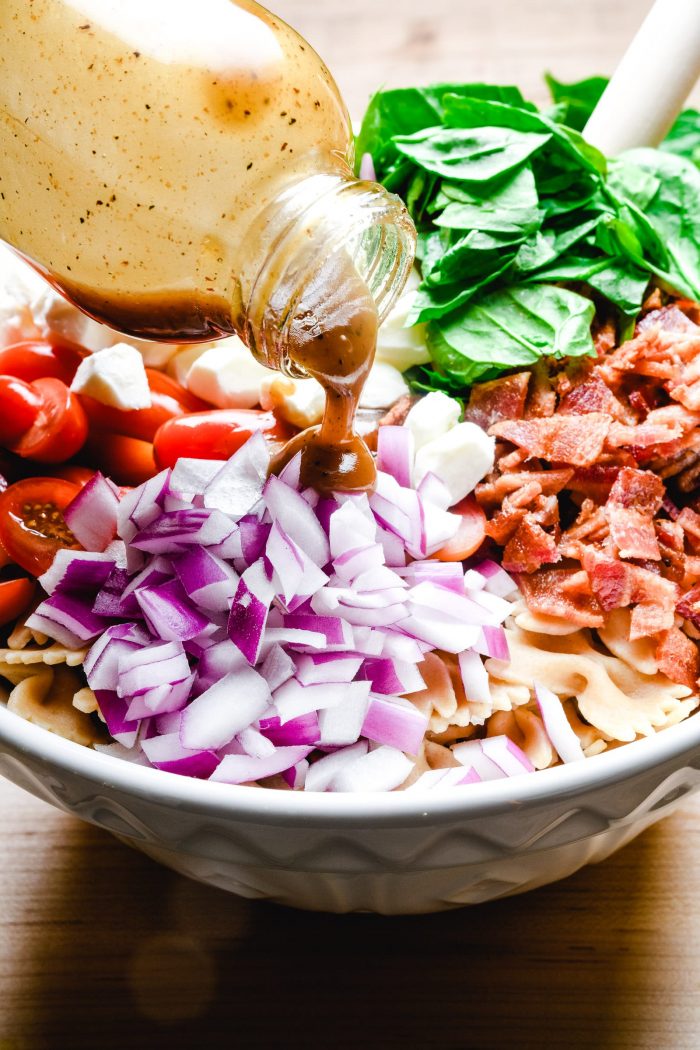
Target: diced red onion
{"x": 395, "y": 721}
{"x": 224, "y": 710}
{"x": 470, "y": 753}
{"x": 475, "y": 677}
{"x": 209, "y": 580}
{"x": 342, "y": 724}
{"x": 92, "y": 514}
{"x": 143, "y": 669}
{"x": 161, "y": 700}
{"x": 564, "y": 740}
{"x": 497, "y": 579}
{"x": 322, "y": 773}
{"x": 297, "y": 519}
{"x": 167, "y": 753}
{"x": 506, "y": 754}
{"x": 242, "y": 769}
{"x": 77, "y": 571}
{"x": 255, "y": 744}
{"x": 277, "y": 667}
{"x": 294, "y": 699}
{"x": 302, "y": 730}
{"x": 435, "y": 491}
{"x": 249, "y": 611}
{"x": 295, "y": 776}
{"x": 239, "y": 483}
{"x": 493, "y": 642}
{"x": 313, "y": 669}
{"x": 67, "y": 619}
{"x": 190, "y": 477}
{"x": 169, "y": 613}
{"x": 113, "y": 709}
{"x": 395, "y": 452}
{"x": 383, "y": 769}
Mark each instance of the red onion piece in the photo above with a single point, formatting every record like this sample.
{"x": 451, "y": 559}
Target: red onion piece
{"x": 242, "y": 769}
{"x": 367, "y": 172}
{"x": 506, "y": 754}
{"x": 394, "y": 721}
{"x": 395, "y": 453}
{"x": 564, "y": 740}
{"x": 383, "y": 769}
{"x": 322, "y": 773}
{"x": 239, "y": 483}
{"x": 475, "y": 677}
{"x": 167, "y": 753}
{"x": 77, "y": 571}
{"x": 214, "y": 717}
{"x": 92, "y": 514}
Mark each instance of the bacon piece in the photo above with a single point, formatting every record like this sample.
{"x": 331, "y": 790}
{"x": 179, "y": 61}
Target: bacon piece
{"x": 575, "y": 440}
{"x": 617, "y": 584}
{"x": 545, "y": 592}
{"x": 678, "y": 657}
{"x": 592, "y": 395}
{"x": 604, "y": 337}
{"x": 594, "y": 482}
{"x": 634, "y": 499}
{"x": 689, "y": 605}
{"x": 529, "y": 548}
{"x": 689, "y": 521}
{"x": 542, "y": 401}
{"x": 668, "y": 319}
{"x": 669, "y": 536}
{"x": 498, "y": 399}
{"x": 549, "y": 481}
{"x": 591, "y": 526}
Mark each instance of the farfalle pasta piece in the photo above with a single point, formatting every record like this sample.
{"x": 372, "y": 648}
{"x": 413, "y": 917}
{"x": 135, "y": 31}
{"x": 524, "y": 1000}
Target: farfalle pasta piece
{"x": 610, "y": 694}
{"x": 539, "y": 623}
{"x": 49, "y": 655}
{"x": 21, "y": 635}
{"x": 438, "y": 701}
{"x": 525, "y": 728}
{"x": 45, "y": 698}
{"x": 505, "y": 695}
{"x": 640, "y": 653}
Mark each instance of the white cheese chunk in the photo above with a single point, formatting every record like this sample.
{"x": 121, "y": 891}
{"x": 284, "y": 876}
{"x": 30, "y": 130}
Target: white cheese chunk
{"x": 298, "y": 401}
{"x": 384, "y": 386}
{"x": 183, "y": 359}
{"x": 115, "y": 376}
{"x": 227, "y": 375}
{"x": 398, "y": 345}
{"x": 433, "y": 415}
{"x": 461, "y": 457}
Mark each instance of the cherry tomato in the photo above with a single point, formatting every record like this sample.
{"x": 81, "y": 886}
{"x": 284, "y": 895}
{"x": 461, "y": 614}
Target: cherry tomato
{"x": 470, "y": 534}
{"x": 32, "y": 528}
{"x": 126, "y": 460}
{"x": 216, "y": 434}
{"x": 60, "y": 428}
{"x": 168, "y": 400}
{"x": 15, "y": 598}
{"x": 77, "y": 475}
{"x": 38, "y": 358}
{"x": 20, "y": 404}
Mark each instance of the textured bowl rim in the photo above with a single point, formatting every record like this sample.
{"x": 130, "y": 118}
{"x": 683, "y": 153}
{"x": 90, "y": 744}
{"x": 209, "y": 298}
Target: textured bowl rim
{"x": 257, "y": 805}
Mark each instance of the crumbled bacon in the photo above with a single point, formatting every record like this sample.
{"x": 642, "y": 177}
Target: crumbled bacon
{"x": 575, "y": 440}
{"x": 499, "y": 399}
{"x": 595, "y": 492}
{"x": 678, "y": 657}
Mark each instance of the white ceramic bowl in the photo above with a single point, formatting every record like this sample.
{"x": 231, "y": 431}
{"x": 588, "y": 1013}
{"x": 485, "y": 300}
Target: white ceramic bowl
{"x": 394, "y": 853}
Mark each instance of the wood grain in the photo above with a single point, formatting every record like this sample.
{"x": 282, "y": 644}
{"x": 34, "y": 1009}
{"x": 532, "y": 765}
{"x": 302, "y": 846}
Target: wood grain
{"x": 100, "y": 948}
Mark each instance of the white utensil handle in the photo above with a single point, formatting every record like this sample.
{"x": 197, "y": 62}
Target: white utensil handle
{"x": 652, "y": 81}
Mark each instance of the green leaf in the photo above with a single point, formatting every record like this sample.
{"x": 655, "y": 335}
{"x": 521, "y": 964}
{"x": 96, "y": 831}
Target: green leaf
{"x": 475, "y": 155}
{"x": 422, "y": 380}
{"x": 674, "y": 213}
{"x": 684, "y": 137}
{"x": 623, "y": 284}
{"x": 511, "y": 207}
{"x": 577, "y": 100}
{"x": 511, "y": 328}
{"x": 476, "y": 113}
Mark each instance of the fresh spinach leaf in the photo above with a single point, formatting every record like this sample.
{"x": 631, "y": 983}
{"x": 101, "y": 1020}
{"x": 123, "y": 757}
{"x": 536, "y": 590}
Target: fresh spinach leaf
{"x": 684, "y": 136}
{"x": 577, "y": 100}
{"x": 475, "y": 155}
{"x": 511, "y": 207}
{"x": 510, "y": 328}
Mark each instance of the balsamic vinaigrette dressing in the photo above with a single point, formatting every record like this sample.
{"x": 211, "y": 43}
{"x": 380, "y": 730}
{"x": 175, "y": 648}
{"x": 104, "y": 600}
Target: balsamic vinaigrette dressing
{"x": 333, "y": 337}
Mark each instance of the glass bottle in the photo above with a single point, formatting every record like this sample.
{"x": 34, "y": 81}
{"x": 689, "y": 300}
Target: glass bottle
{"x": 182, "y": 170}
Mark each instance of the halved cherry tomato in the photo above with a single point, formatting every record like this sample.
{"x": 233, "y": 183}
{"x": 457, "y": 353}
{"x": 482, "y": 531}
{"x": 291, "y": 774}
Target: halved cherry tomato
{"x": 126, "y": 460}
{"x": 38, "y": 358}
{"x": 20, "y": 404}
{"x": 32, "y": 528}
{"x": 168, "y": 400}
{"x": 470, "y": 534}
{"x": 216, "y": 434}
{"x": 60, "y": 427}
{"x": 77, "y": 475}
{"x": 15, "y": 598}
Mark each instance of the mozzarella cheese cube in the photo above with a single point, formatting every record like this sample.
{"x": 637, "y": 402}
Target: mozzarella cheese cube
{"x": 115, "y": 376}
{"x": 384, "y": 386}
{"x": 398, "y": 345}
{"x": 227, "y": 375}
{"x": 461, "y": 457}
{"x": 433, "y": 415}
{"x": 182, "y": 360}
{"x": 298, "y": 401}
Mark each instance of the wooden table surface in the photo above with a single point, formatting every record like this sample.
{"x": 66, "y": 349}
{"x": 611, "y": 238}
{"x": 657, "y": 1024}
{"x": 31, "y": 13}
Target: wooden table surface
{"x": 102, "y": 949}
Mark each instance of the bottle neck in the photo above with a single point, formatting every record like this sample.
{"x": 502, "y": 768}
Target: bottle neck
{"x": 307, "y": 225}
